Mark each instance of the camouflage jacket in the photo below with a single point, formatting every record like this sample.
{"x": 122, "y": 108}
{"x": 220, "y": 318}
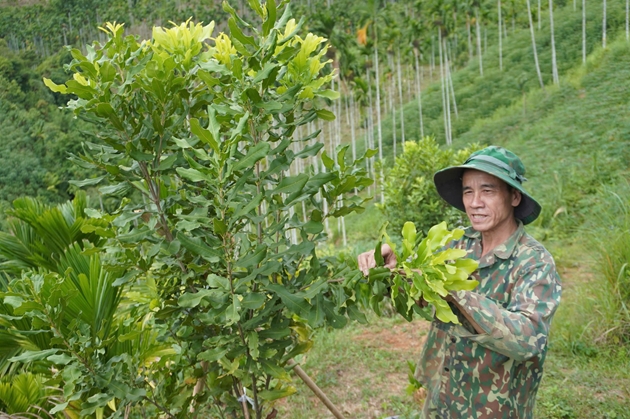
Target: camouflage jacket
{"x": 493, "y": 372}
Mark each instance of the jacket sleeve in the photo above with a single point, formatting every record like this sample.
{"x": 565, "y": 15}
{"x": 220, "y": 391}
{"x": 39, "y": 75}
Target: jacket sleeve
{"x": 519, "y": 330}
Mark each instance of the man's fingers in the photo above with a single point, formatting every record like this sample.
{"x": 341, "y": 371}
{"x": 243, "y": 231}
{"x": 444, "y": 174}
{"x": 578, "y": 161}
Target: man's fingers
{"x": 365, "y": 263}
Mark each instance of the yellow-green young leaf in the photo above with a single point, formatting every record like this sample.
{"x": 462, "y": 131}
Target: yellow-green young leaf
{"x": 461, "y": 285}
{"x": 448, "y": 254}
{"x": 328, "y": 94}
{"x": 467, "y": 265}
{"x": 444, "y": 313}
{"x": 409, "y": 234}
{"x": 58, "y": 88}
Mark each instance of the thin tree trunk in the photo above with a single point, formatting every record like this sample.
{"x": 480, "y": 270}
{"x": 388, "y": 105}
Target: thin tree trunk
{"x": 500, "y": 38}
{"x": 448, "y": 100}
{"x": 419, "y": 91}
{"x": 353, "y": 135}
{"x": 432, "y": 66}
{"x": 539, "y": 13}
{"x": 583, "y": 31}
{"x": 574, "y": 5}
{"x": 443, "y": 84}
{"x": 449, "y": 78}
{"x": 554, "y": 65}
{"x": 478, "y": 41}
{"x": 531, "y": 29}
{"x": 370, "y": 128}
{"x": 604, "y": 26}
{"x": 378, "y": 115}
{"x": 400, "y": 96}
{"x": 394, "y": 134}
{"x": 392, "y": 107}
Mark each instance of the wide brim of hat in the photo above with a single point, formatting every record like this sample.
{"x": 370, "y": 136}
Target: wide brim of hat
{"x": 449, "y": 185}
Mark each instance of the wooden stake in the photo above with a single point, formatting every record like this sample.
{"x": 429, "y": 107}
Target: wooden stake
{"x": 315, "y": 389}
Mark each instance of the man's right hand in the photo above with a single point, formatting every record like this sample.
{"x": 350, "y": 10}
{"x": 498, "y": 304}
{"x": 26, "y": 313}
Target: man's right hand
{"x": 366, "y": 260}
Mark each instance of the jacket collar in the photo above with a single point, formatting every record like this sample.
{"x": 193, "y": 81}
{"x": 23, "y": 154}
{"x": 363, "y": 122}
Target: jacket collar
{"x": 502, "y": 251}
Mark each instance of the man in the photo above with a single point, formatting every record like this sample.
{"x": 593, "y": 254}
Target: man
{"x": 490, "y": 366}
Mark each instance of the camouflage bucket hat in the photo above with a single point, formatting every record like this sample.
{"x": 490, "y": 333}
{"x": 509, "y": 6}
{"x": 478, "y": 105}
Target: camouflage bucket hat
{"x": 498, "y": 162}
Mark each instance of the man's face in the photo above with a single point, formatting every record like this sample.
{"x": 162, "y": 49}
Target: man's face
{"x": 488, "y": 202}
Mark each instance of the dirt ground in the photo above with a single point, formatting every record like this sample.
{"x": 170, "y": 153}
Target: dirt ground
{"x": 361, "y": 389}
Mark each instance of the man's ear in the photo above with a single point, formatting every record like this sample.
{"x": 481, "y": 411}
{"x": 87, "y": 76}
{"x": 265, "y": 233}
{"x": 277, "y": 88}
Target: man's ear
{"x": 516, "y": 197}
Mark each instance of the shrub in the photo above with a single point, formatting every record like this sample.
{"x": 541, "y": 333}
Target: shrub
{"x": 409, "y": 192}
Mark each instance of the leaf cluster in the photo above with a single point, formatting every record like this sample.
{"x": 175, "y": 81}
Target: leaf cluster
{"x": 427, "y": 270}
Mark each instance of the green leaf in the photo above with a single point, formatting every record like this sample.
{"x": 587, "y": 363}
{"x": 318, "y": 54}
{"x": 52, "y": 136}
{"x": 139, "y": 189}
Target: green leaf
{"x": 236, "y": 32}
{"x": 204, "y": 135}
{"x": 316, "y": 315}
{"x": 193, "y": 175}
{"x": 61, "y": 359}
{"x": 212, "y": 355}
{"x": 271, "y": 16}
{"x": 274, "y": 370}
{"x": 265, "y": 72}
{"x": 328, "y": 162}
{"x": 191, "y": 300}
{"x": 87, "y": 182}
{"x": 296, "y": 304}
{"x": 247, "y": 207}
{"x": 256, "y": 153}
{"x": 325, "y": 114}
{"x": 233, "y": 312}
{"x": 270, "y": 395}
{"x": 30, "y": 356}
{"x": 309, "y": 151}
{"x": 317, "y": 181}
{"x": 198, "y": 247}
{"x": 291, "y": 184}
{"x": 379, "y": 274}
{"x": 253, "y": 300}
{"x": 252, "y": 344}
{"x": 252, "y": 259}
